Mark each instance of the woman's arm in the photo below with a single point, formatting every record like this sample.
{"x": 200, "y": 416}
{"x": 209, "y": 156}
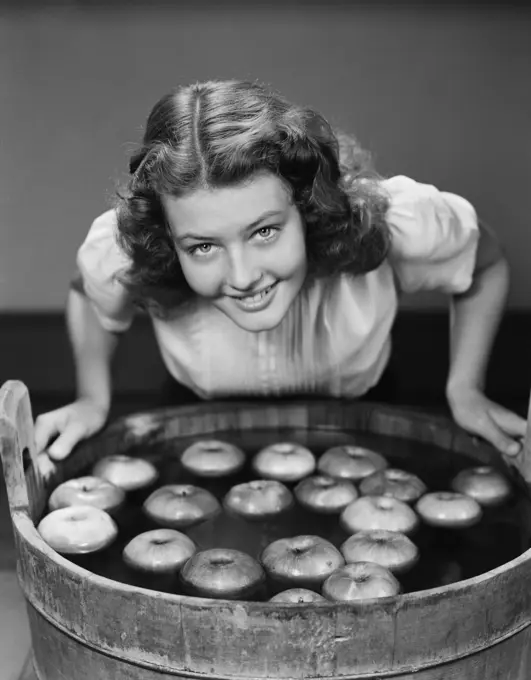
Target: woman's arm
{"x": 93, "y": 349}
{"x": 474, "y": 321}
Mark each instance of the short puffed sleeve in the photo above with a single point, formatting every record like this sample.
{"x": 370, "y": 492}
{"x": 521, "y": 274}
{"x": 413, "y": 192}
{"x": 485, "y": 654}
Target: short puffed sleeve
{"x": 99, "y": 260}
{"x": 434, "y": 237}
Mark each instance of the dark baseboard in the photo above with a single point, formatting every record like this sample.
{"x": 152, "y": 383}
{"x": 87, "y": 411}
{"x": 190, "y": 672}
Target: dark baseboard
{"x": 34, "y": 348}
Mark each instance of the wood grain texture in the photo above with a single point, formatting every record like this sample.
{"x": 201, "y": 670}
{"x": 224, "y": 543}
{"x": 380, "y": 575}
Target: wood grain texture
{"x": 56, "y": 655}
{"x": 24, "y": 482}
{"x": 472, "y": 629}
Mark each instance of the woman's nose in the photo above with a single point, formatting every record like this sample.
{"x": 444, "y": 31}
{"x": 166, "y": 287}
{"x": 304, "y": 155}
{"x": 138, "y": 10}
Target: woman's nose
{"x": 243, "y": 275}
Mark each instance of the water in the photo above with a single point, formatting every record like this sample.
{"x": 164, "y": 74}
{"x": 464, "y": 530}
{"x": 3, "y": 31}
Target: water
{"x": 446, "y": 555}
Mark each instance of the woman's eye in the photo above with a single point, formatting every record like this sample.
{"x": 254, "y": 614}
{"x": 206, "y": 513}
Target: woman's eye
{"x": 202, "y": 249}
{"x": 266, "y": 233}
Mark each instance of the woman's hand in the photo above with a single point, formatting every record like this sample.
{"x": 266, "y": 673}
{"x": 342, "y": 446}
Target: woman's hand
{"x": 478, "y": 415}
{"x": 70, "y": 424}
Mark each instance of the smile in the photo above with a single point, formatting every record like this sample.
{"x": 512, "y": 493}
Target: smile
{"x": 258, "y": 301}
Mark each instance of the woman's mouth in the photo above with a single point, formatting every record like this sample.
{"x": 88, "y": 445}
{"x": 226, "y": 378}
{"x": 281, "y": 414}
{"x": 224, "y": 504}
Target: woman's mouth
{"x": 257, "y": 301}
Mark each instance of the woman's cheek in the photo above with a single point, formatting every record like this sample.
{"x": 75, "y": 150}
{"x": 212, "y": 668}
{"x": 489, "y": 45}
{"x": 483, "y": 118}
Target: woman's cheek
{"x": 202, "y": 277}
{"x": 289, "y": 257}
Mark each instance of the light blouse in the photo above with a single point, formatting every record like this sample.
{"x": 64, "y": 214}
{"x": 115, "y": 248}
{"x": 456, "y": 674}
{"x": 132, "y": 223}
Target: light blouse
{"x": 335, "y": 338}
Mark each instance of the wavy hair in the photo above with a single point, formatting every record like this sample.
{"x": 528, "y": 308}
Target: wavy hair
{"x": 221, "y": 133}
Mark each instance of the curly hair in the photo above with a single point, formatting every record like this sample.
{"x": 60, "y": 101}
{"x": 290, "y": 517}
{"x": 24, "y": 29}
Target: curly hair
{"x": 221, "y": 133}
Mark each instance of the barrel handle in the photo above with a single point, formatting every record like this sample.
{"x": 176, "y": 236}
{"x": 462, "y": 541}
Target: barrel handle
{"x": 22, "y": 467}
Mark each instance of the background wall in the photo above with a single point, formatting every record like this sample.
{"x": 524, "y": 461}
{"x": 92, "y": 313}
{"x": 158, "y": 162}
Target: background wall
{"x": 439, "y": 93}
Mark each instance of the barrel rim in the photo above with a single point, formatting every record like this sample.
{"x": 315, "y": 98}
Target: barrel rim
{"x": 166, "y": 413}
{"x": 392, "y": 614}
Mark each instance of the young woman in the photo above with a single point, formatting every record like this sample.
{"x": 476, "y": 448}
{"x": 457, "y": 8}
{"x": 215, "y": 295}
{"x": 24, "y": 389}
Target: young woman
{"x": 270, "y": 257}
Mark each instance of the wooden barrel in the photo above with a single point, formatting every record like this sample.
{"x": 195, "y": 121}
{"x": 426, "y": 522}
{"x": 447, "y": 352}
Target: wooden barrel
{"x": 88, "y": 627}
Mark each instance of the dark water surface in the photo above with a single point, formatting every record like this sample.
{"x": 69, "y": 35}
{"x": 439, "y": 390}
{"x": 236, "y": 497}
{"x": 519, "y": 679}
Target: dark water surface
{"x": 446, "y": 555}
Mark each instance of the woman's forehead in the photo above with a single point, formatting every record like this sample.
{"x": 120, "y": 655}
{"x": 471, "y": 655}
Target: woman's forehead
{"x": 212, "y": 211}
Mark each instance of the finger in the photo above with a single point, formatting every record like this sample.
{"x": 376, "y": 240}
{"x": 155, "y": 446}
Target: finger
{"x": 46, "y": 427}
{"x": 64, "y": 444}
{"x": 511, "y": 423}
{"x": 495, "y": 435}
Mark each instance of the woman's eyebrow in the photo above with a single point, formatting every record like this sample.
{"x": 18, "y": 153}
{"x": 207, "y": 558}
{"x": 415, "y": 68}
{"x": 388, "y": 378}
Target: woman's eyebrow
{"x": 255, "y": 223}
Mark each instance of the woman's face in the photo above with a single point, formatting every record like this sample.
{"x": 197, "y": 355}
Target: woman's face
{"x": 241, "y": 247}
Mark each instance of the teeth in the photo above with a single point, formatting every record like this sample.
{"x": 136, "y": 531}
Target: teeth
{"x": 257, "y": 297}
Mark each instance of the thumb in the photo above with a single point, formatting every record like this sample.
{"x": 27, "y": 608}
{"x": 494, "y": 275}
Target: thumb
{"x": 511, "y": 423}
{"x": 495, "y": 435}
{"x": 46, "y": 427}
{"x": 64, "y": 444}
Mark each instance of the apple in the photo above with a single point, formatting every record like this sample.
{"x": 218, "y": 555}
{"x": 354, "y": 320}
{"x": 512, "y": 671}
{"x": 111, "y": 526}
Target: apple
{"x": 258, "y": 499}
{"x": 160, "y": 551}
{"x": 180, "y": 505}
{"x": 298, "y": 596}
{"x": 360, "y": 581}
{"x": 301, "y": 560}
{"x": 285, "y": 462}
{"x": 78, "y": 529}
{"x": 378, "y": 512}
{"x": 87, "y": 490}
{"x": 350, "y": 462}
{"x": 222, "y": 573}
{"x": 391, "y": 549}
{"x": 324, "y": 494}
{"x": 484, "y": 484}
{"x": 212, "y": 458}
{"x": 449, "y": 509}
{"x": 399, "y": 484}
{"x": 127, "y": 472}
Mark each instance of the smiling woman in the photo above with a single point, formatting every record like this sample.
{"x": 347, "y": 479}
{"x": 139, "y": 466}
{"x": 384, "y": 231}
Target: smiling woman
{"x": 244, "y": 261}
{"x": 209, "y": 142}
{"x": 271, "y": 257}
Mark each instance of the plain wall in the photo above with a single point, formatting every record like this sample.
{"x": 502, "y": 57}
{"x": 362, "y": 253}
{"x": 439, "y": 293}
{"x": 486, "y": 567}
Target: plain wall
{"x": 438, "y": 93}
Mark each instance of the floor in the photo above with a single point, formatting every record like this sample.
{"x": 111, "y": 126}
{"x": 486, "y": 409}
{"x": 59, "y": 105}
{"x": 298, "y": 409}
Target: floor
{"x": 14, "y": 633}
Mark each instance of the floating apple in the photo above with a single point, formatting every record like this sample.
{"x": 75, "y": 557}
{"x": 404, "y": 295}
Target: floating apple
{"x": 160, "y": 551}
{"x": 285, "y": 462}
{"x": 222, "y": 573}
{"x": 258, "y": 499}
{"x": 392, "y": 549}
{"x": 180, "y": 505}
{"x": 87, "y": 490}
{"x": 449, "y": 509}
{"x": 301, "y": 560}
{"x": 324, "y": 494}
{"x": 399, "y": 484}
{"x": 484, "y": 484}
{"x": 370, "y": 513}
{"x": 360, "y": 581}
{"x": 212, "y": 458}
{"x": 126, "y": 472}
{"x": 298, "y": 596}
{"x": 350, "y": 462}
{"x": 78, "y": 529}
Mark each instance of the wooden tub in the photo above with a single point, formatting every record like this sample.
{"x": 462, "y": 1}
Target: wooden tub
{"x": 86, "y": 627}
